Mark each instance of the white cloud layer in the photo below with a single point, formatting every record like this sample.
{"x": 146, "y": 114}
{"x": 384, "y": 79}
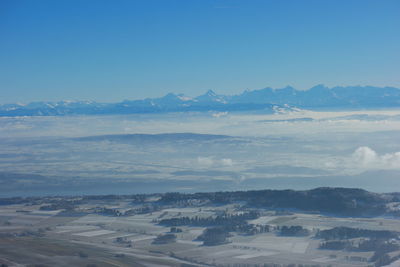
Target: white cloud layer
{"x": 366, "y": 157}
{"x": 206, "y": 162}
{"x": 226, "y": 162}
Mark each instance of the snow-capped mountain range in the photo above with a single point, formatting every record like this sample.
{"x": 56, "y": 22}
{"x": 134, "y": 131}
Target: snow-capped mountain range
{"x": 268, "y": 100}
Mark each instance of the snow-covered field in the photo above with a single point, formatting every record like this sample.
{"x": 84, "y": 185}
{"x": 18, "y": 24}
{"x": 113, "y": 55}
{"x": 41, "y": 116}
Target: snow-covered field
{"x": 95, "y": 233}
{"x": 136, "y": 233}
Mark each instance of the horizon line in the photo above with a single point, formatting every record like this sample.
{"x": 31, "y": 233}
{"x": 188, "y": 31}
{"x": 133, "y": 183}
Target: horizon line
{"x": 190, "y": 97}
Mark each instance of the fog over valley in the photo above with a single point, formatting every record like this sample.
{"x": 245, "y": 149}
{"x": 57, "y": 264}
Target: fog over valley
{"x": 190, "y": 152}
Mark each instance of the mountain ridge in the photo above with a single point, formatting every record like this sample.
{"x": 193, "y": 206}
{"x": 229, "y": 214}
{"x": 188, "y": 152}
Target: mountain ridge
{"x": 267, "y": 99}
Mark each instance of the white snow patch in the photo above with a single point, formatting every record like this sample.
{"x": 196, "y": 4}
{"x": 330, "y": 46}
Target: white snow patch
{"x": 95, "y": 233}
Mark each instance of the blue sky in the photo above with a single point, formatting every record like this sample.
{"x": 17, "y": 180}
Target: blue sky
{"x": 114, "y": 50}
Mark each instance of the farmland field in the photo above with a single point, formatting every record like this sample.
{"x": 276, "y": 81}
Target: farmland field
{"x": 110, "y": 232}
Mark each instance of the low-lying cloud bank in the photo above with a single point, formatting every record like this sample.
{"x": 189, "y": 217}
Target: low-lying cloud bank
{"x": 213, "y": 162}
{"x": 368, "y": 158}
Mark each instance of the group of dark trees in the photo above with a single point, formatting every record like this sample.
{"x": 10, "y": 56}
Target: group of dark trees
{"x": 228, "y": 222}
{"x": 377, "y": 244}
{"x": 339, "y": 233}
{"x": 219, "y": 220}
{"x": 214, "y": 236}
{"x": 382, "y": 242}
{"x": 338, "y": 201}
{"x": 219, "y": 227}
{"x": 61, "y": 204}
{"x": 362, "y": 245}
{"x": 116, "y": 212}
{"x": 382, "y": 258}
{"x": 335, "y": 244}
{"x": 175, "y": 230}
{"x": 165, "y": 239}
{"x": 124, "y": 241}
{"x": 295, "y": 230}
{"x": 142, "y": 210}
{"x": 107, "y": 211}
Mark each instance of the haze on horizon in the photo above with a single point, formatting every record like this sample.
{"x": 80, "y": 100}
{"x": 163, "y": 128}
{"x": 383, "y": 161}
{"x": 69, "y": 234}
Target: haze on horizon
{"x": 108, "y": 51}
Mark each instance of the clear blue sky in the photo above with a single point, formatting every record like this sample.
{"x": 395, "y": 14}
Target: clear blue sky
{"x": 114, "y": 50}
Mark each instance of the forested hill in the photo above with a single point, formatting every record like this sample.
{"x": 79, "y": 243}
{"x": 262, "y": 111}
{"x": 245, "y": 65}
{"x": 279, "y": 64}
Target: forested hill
{"x": 337, "y": 201}
{"x": 325, "y": 200}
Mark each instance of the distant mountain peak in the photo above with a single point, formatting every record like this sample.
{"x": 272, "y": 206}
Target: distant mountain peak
{"x": 267, "y": 100}
{"x": 210, "y": 93}
{"x": 319, "y": 87}
{"x": 211, "y": 96}
{"x": 170, "y": 96}
{"x": 288, "y": 87}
